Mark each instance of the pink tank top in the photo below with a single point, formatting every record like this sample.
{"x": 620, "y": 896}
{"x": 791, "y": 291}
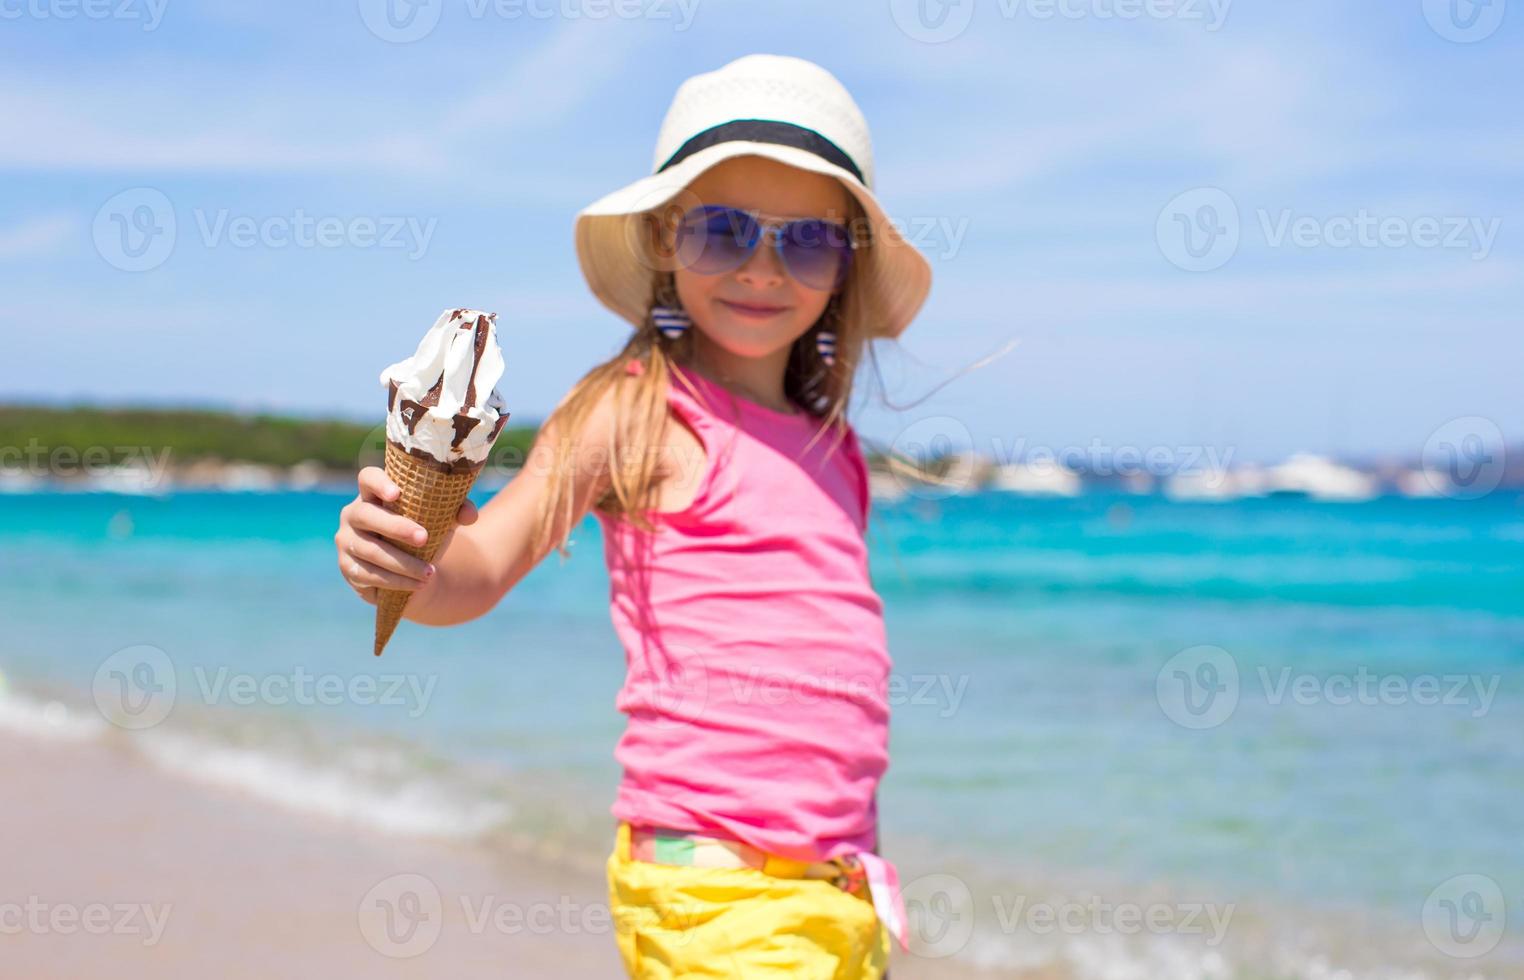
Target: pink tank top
{"x": 757, "y": 684}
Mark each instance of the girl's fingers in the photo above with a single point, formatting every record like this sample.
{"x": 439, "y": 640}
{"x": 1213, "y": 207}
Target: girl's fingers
{"x": 467, "y": 514}
{"x": 363, "y": 574}
{"x": 375, "y": 485}
{"x": 383, "y": 523}
{"x": 388, "y": 557}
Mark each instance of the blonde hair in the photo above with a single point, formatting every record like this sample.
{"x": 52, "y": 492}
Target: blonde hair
{"x": 641, "y": 414}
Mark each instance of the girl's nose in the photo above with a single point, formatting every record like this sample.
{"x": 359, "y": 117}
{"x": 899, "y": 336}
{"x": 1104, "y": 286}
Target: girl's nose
{"x": 764, "y": 267}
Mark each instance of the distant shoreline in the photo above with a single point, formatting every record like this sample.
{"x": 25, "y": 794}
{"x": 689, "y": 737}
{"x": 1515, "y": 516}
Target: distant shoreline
{"x": 156, "y": 450}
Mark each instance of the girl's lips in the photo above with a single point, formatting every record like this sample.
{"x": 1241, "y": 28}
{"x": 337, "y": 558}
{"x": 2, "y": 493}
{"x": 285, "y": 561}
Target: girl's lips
{"x": 747, "y": 309}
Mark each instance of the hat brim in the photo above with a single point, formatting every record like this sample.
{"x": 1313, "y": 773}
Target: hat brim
{"x": 895, "y": 276}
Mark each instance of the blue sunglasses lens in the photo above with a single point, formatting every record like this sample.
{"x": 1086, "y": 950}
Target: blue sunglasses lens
{"x": 715, "y": 240}
{"x": 816, "y": 252}
{"x": 712, "y": 240}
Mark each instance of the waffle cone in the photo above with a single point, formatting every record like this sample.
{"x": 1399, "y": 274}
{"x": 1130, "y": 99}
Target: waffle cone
{"x": 431, "y": 496}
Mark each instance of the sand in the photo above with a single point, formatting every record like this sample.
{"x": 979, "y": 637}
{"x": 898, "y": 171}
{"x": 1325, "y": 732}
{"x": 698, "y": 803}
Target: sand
{"x": 111, "y": 868}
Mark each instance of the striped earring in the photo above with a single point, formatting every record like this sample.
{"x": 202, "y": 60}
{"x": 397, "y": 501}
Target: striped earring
{"x": 825, "y": 343}
{"x": 671, "y": 320}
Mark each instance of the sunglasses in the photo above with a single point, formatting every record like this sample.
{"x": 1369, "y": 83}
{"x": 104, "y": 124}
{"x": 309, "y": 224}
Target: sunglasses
{"x": 713, "y": 239}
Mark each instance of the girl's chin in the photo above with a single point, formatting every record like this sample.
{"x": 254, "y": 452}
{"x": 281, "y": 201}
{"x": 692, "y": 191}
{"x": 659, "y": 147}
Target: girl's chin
{"x": 746, "y": 340}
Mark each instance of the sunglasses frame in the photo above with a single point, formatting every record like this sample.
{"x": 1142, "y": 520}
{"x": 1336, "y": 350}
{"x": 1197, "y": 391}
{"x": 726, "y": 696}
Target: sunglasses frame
{"x": 767, "y": 225}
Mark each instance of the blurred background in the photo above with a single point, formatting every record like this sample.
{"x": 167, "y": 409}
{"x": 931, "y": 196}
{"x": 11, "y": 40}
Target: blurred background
{"x": 1209, "y": 634}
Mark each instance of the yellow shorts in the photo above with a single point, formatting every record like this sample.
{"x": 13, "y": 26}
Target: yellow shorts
{"x": 690, "y": 921}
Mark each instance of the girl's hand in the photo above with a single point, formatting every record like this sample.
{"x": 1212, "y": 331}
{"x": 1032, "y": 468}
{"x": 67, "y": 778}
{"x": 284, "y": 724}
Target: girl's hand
{"x": 369, "y": 535}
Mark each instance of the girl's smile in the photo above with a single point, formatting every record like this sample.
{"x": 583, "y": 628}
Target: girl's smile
{"x": 751, "y": 311}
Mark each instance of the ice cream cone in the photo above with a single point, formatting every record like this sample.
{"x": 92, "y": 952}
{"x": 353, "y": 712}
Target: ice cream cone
{"x": 443, "y": 413}
{"x": 431, "y": 495}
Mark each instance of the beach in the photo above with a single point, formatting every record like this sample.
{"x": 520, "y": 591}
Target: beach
{"x": 127, "y": 872}
{"x": 191, "y": 719}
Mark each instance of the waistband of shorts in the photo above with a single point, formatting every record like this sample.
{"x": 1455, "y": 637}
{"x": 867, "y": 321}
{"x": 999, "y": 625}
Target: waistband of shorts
{"x": 668, "y": 845}
{"x": 862, "y": 873}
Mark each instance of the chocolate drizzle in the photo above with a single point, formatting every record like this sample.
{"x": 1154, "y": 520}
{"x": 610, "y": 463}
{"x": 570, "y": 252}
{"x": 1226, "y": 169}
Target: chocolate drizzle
{"x": 412, "y": 412}
{"x": 478, "y": 345}
{"x": 462, "y": 422}
{"x": 431, "y": 397}
{"x": 462, "y": 465}
{"x": 463, "y": 425}
{"x": 391, "y": 394}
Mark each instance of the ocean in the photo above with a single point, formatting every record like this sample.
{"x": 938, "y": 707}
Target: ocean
{"x": 1268, "y": 737}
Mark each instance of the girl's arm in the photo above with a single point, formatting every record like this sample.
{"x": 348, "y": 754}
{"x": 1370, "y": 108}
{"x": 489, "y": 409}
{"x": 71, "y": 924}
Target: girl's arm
{"x": 485, "y": 558}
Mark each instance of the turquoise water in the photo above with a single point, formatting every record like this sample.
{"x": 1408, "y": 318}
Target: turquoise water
{"x": 1036, "y": 733}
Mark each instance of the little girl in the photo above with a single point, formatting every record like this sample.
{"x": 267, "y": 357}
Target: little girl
{"x": 754, "y": 264}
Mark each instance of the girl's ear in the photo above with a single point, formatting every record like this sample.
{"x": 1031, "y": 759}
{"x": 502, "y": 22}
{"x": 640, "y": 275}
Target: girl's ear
{"x": 658, "y": 234}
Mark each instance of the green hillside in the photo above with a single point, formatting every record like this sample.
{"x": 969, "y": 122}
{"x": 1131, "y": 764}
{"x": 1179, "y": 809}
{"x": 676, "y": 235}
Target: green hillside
{"x": 34, "y": 433}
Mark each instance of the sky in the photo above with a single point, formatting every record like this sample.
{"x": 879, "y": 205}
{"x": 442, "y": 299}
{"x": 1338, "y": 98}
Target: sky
{"x": 1257, "y": 227}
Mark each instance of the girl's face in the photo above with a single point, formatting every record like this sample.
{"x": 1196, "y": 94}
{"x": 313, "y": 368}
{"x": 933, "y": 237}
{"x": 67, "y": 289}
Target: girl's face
{"x": 758, "y": 309}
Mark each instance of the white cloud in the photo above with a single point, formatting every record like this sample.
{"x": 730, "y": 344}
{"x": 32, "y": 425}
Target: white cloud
{"x": 288, "y": 124}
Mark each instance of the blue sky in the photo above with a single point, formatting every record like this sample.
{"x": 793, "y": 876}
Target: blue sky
{"x": 1050, "y": 157}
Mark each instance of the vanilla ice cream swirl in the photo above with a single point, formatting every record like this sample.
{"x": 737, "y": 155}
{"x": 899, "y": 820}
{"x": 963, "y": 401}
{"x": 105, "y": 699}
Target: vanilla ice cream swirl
{"x": 442, "y": 403}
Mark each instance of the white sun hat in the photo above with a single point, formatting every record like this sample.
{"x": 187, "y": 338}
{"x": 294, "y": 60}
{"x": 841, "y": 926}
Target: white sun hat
{"x": 783, "y": 108}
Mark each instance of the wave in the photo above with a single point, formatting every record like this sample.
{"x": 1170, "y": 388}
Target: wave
{"x": 373, "y": 786}
{"x": 340, "y": 790}
{"x": 46, "y": 718}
